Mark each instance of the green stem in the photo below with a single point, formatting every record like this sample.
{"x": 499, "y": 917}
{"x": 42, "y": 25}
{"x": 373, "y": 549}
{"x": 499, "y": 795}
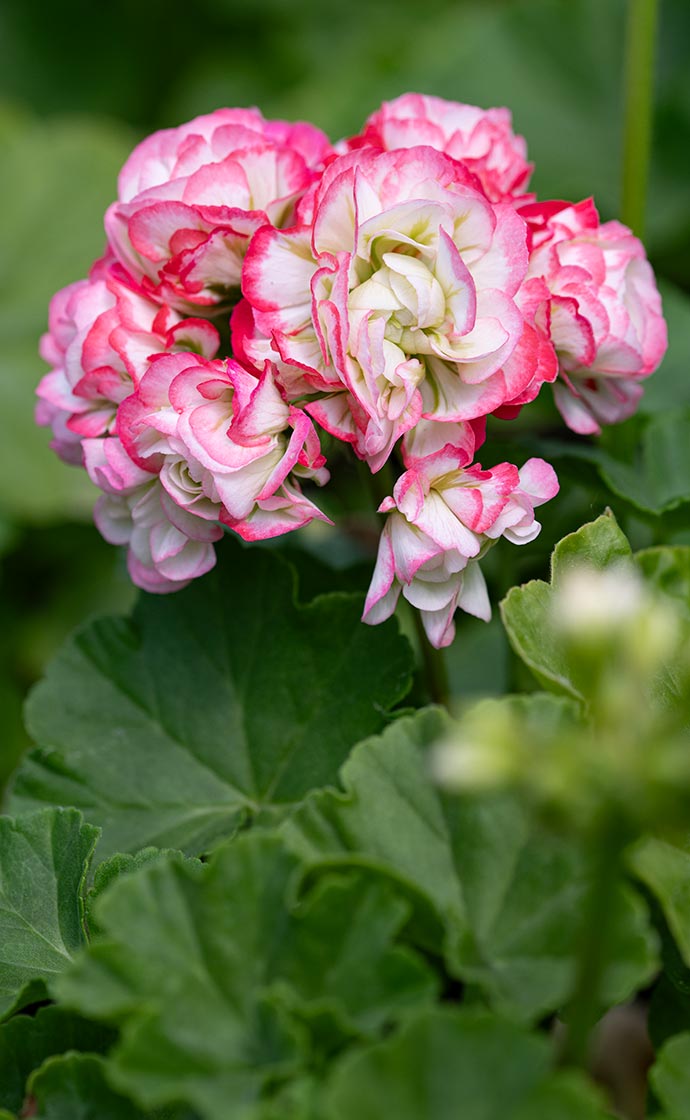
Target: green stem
{"x": 380, "y": 485}
{"x": 435, "y": 673}
{"x": 638, "y": 101}
{"x": 605, "y": 852}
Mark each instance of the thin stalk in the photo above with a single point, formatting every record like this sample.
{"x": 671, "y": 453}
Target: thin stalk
{"x": 435, "y": 673}
{"x": 606, "y": 845}
{"x": 436, "y": 677}
{"x": 638, "y": 107}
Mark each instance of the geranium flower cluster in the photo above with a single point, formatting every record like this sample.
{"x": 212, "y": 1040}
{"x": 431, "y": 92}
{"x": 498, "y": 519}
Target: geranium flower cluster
{"x": 394, "y": 290}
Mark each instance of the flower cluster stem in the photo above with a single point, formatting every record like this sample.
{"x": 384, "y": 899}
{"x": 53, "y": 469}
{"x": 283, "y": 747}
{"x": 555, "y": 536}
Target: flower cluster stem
{"x": 638, "y": 101}
{"x": 606, "y": 844}
{"x": 435, "y": 673}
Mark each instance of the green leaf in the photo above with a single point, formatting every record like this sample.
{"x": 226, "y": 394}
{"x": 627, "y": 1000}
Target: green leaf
{"x": 668, "y": 570}
{"x": 526, "y": 610}
{"x": 665, "y": 869}
{"x": 655, "y": 474}
{"x": 506, "y": 894}
{"x": 26, "y": 1041}
{"x": 564, "y": 1096}
{"x": 297, "y": 1100}
{"x": 44, "y": 858}
{"x": 598, "y": 544}
{"x": 75, "y": 1086}
{"x": 58, "y": 177}
{"x": 345, "y": 972}
{"x": 445, "y": 1064}
{"x": 210, "y": 705}
{"x": 213, "y": 973}
{"x": 116, "y": 866}
{"x": 185, "y": 953}
{"x": 409, "y": 840}
{"x": 670, "y": 1077}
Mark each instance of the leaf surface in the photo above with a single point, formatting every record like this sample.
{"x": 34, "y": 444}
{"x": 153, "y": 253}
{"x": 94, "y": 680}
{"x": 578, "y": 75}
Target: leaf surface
{"x": 447, "y": 1064}
{"x": 215, "y": 972}
{"x": 665, "y": 869}
{"x": 209, "y": 705}
{"x": 505, "y": 894}
{"x": 527, "y": 610}
{"x": 670, "y": 1077}
{"x": 26, "y": 1041}
{"x": 44, "y": 858}
{"x": 75, "y": 1086}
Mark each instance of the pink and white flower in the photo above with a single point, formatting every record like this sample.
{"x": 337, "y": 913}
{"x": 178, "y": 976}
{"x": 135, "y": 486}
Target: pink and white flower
{"x": 73, "y": 311}
{"x": 102, "y": 334}
{"x": 191, "y": 197}
{"x": 225, "y": 445}
{"x": 397, "y": 303}
{"x": 397, "y": 290}
{"x": 167, "y": 545}
{"x": 482, "y": 139}
{"x": 443, "y": 517}
{"x": 593, "y": 291}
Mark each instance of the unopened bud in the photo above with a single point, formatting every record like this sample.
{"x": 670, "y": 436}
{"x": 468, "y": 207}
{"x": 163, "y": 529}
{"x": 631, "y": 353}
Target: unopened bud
{"x": 463, "y": 764}
{"x": 592, "y": 603}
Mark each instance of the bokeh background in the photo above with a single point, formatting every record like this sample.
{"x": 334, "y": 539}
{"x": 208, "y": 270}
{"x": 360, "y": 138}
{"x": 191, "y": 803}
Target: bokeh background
{"x": 80, "y": 84}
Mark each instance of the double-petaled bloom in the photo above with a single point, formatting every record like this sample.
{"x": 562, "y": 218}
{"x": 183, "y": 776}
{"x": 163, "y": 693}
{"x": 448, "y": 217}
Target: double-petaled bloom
{"x": 397, "y": 290}
{"x": 191, "y": 197}
{"x": 443, "y": 516}
{"x": 167, "y": 545}
{"x": 102, "y": 332}
{"x": 396, "y": 301}
{"x": 482, "y": 139}
{"x": 592, "y": 290}
{"x": 201, "y": 444}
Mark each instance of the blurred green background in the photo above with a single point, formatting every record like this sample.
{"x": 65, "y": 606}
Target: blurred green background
{"x": 80, "y": 85}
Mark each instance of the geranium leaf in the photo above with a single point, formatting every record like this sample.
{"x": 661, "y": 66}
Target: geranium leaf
{"x": 665, "y": 869}
{"x": 227, "y": 948}
{"x": 668, "y": 569}
{"x": 27, "y": 1040}
{"x": 653, "y": 474}
{"x": 298, "y": 1100}
{"x": 507, "y": 896}
{"x": 446, "y": 1064}
{"x": 75, "y": 1085}
{"x": 44, "y": 858}
{"x": 211, "y": 704}
{"x": 564, "y": 1096}
{"x": 114, "y": 868}
{"x": 344, "y": 973}
{"x": 670, "y": 1076}
{"x": 526, "y": 610}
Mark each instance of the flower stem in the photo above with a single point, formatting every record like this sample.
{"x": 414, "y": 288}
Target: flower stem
{"x": 380, "y": 486}
{"x": 606, "y": 844}
{"x": 638, "y": 101}
{"x": 434, "y": 665}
